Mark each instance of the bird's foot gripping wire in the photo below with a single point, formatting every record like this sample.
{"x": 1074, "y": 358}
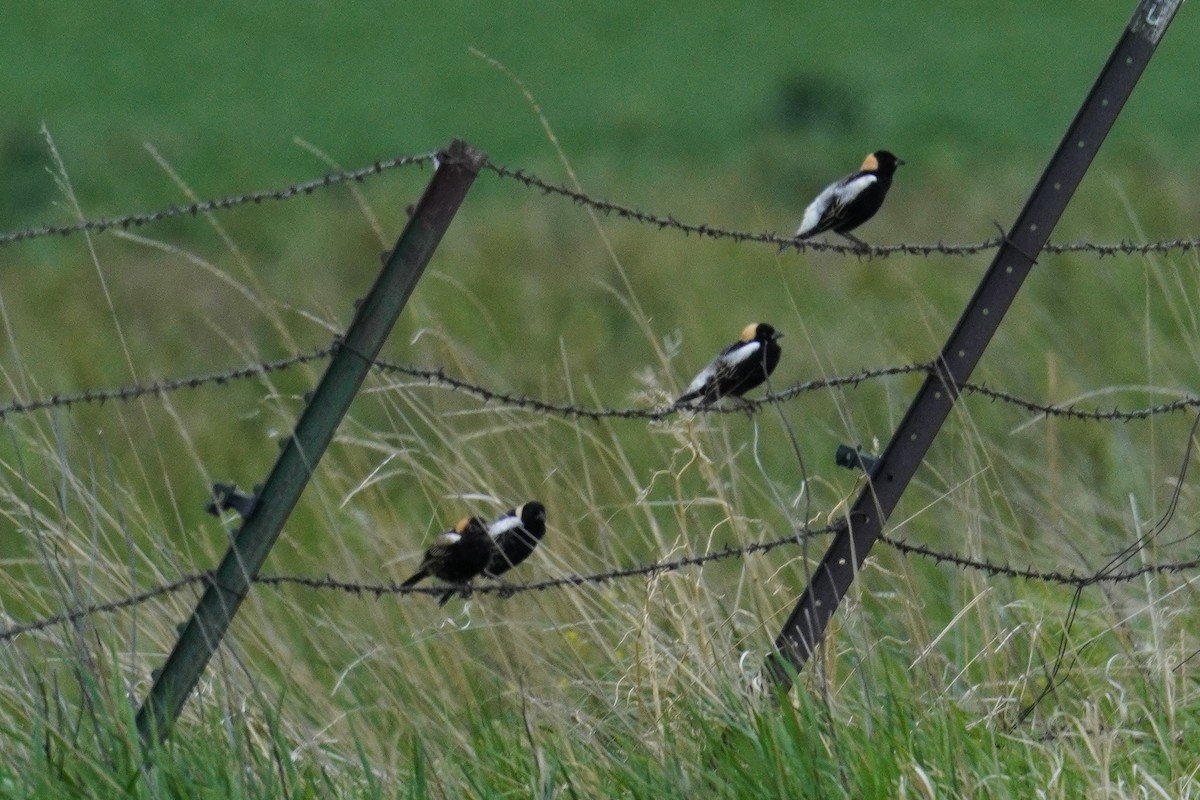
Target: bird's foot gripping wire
{"x": 862, "y": 247}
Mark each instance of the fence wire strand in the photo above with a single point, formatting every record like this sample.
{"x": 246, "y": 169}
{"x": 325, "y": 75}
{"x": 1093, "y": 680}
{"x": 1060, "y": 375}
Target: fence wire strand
{"x": 439, "y": 378}
{"x": 1074, "y": 579}
{"x": 530, "y": 180}
{"x": 161, "y": 387}
{"x": 705, "y": 230}
{"x": 74, "y": 615}
{"x": 289, "y": 192}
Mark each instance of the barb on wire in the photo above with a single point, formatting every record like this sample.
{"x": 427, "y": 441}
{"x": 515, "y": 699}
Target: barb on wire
{"x": 217, "y": 204}
{"x": 134, "y": 391}
{"x": 704, "y": 230}
{"x": 106, "y": 608}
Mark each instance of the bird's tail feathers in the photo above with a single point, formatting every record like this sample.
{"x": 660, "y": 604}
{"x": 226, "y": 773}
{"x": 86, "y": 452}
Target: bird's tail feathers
{"x": 415, "y": 579}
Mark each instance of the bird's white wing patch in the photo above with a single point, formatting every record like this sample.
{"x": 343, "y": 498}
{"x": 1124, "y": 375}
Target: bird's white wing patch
{"x": 844, "y": 193}
{"x": 832, "y": 198}
{"x": 705, "y": 376}
{"x": 722, "y": 363}
{"x": 740, "y": 353}
{"x": 816, "y": 209}
{"x": 503, "y": 525}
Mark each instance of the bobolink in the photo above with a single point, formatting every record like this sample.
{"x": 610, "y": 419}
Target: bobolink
{"x": 739, "y": 367}
{"x": 515, "y": 534}
{"x": 850, "y": 202}
{"x": 457, "y": 556}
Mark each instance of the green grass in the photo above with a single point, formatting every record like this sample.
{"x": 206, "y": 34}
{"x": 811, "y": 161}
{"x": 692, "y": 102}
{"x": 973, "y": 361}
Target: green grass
{"x": 642, "y": 687}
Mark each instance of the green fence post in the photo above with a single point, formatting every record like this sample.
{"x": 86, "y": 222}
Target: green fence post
{"x": 457, "y": 168}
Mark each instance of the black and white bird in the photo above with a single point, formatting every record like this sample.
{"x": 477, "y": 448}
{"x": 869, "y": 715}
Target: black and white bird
{"x": 739, "y": 367}
{"x": 515, "y": 535}
{"x": 457, "y": 556}
{"x": 843, "y": 206}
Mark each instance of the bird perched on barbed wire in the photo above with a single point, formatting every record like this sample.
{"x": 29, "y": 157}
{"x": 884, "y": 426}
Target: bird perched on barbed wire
{"x": 457, "y": 556}
{"x": 738, "y": 368}
{"x": 515, "y": 535}
{"x": 843, "y": 206}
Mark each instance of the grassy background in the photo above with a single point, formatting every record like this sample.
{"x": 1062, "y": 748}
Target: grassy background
{"x": 645, "y": 95}
{"x": 644, "y": 687}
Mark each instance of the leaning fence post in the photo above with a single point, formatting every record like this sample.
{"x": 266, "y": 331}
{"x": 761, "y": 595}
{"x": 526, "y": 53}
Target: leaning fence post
{"x": 888, "y": 479}
{"x": 457, "y": 168}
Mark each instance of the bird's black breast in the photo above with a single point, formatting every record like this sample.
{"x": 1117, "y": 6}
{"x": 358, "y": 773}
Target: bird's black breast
{"x": 513, "y": 547}
{"x": 864, "y": 206}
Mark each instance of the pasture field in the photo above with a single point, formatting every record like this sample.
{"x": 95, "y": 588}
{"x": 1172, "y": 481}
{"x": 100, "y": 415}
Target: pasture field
{"x": 641, "y": 686}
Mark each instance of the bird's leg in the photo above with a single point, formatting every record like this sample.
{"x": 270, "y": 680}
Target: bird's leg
{"x": 859, "y": 243}
{"x": 746, "y": 406}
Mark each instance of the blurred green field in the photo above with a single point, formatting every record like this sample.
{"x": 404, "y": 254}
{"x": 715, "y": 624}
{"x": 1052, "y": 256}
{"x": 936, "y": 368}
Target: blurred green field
{"x": 639, "y": 688}
{"x": 781, "y": 90}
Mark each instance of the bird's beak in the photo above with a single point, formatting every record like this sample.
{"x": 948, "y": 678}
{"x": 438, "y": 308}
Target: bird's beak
{"x": 778, "y": 336}
{"x": 900, "y": 162}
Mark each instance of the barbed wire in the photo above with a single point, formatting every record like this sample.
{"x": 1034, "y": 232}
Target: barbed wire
{"x": 506, "y": 590}
{"x": 1073, "y": 578}
{"x": 530, "y": 180}
{"x": 106, "y": 608}
{"x": 394, "y": 588}
{"x": 164, "y": 386}
{"x": 288, "y": 192}
{"x": 744, "y": 405}
{"x": 704, "y": 230}
{"x": 1073, "y": 412}
{"x": 1077, "y": 580}
{"x": 439, "y": 378}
